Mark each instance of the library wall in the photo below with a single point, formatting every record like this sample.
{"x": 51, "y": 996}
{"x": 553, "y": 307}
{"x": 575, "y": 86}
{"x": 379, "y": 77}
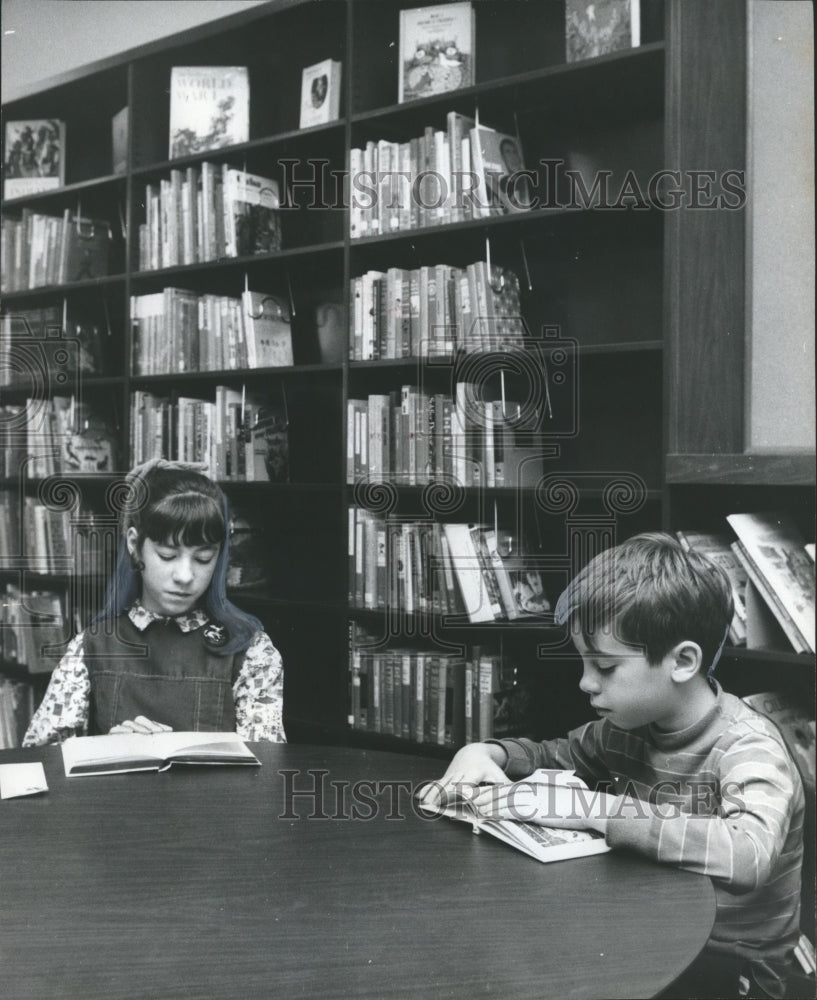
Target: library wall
{"x": 780, "y": 234}
{"x": 42, "y": 39}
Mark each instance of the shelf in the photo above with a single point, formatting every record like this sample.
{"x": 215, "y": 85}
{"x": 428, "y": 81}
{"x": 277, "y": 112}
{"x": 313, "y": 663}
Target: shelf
{"x": 233, "y": 375}
{"x": 785, "y": 658}
{"x": 781, "y": 469}
{"x": 58, "y": 291}
{"x": 67, "y": 191}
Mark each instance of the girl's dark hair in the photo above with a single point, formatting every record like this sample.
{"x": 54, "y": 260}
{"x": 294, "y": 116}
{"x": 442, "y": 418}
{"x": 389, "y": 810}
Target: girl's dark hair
{"x": 177, "y": 505}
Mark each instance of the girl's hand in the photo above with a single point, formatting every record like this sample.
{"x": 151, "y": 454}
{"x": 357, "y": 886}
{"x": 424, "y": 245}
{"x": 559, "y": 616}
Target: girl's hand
{"x": 471, "y": 766}
{"x": 141, "y": 725}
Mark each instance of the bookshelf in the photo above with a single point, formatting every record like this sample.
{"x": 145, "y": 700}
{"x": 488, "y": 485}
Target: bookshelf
{"x": 623, "y": 448}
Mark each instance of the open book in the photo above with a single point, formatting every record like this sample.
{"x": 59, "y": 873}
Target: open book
{"x": 544, "y": 843}
{"x": 117, "y": 753}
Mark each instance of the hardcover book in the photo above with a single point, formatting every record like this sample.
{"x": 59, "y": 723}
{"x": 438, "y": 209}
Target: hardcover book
{"x": 772, "y": 551}
{"x": 252, "y": 221}
{"x": 436, "y": 50}
{"x": 209, "y": 108}
{"x": 34, "y": 158}
{"x": 543, "y": 843}
{"x": 601, "y": 26}
{"x": 85, "y": 249}
{"x": 267, "y": 331}
{"x": 320, "y": 93}
{"x": 502, "y": 185}
{"x": 117, "y": 753}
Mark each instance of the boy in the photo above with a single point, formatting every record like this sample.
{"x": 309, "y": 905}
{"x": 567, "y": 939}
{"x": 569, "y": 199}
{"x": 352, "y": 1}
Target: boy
{"x": 695, "y": 777}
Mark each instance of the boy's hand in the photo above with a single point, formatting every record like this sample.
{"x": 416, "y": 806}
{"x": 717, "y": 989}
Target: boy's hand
{"x": 563, "y": 806}
{"x": 141, "y": 725}
{"x": 472, "y": 765}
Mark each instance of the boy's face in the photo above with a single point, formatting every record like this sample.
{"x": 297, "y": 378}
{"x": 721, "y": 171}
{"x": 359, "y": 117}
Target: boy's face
{"x": 623, "y": 686}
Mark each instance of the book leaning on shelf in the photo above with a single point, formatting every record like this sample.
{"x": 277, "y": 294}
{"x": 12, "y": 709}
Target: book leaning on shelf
{"x": 437, "y": 51}
{"x": 772, "y": 551}
{"x": 598, "y": 27}
{"x": 209, "y": 108}
{"x": 540, "y": 842}
{"x": 34, "y": 157}
{"x": 118, "y": 753}
{"x": 320, "y": 93}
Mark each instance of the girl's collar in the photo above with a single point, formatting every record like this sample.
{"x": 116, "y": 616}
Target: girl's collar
{"x": 140, "y": 617}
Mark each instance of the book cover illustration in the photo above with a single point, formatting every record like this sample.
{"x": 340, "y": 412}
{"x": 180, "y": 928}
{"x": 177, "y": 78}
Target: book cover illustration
{"x": 436, "y": 50}
{"x": 85, "y": 249}
{"x": 34, "y": 157}
{"x": 251, "y": 214}
{"x": 599, "y": 27}
{"x": 543, "y": 843}
{"x": 320, "y": 93}
{"x": 502, "y": 185}
{"x": 86, "y": 441}
{"x": 209, "y": 108}
{"x": 268, "y": 333}
{"x": 773, "y": 552}
{"x": 270, "y": 442}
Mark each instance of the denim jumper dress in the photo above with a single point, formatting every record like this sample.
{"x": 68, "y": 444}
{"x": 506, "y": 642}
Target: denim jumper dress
{"x": 165, "y": 674}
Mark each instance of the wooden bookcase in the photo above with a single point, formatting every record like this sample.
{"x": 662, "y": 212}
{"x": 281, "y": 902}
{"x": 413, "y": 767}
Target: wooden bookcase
{"x": 633, "y": 447}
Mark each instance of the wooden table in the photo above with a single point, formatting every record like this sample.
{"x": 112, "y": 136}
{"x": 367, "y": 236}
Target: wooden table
{"x": 205, "y": 883}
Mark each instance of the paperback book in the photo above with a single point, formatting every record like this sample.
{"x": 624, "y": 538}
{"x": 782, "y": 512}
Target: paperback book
{"x": 503, "y": 187}
{"x": 118, "y": 753}
{"x": 209, "y": 108}
{"x": 268, "y": 333}
{"x": 436, "y": 50}
{"x": 320, "y": 93}
{"x": 252, "y": 221}
{"x": 34, "y": 158}
{"x": 541, "y": 842}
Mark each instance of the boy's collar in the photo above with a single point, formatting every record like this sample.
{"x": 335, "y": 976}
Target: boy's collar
{"x": 140, "y": 618}
{"x": 667, "y": 740}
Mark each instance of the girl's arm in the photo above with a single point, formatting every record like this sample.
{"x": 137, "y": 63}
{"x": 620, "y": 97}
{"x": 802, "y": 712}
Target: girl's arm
{"x": 258, "y": 693}
{"x": 63, "y": 711}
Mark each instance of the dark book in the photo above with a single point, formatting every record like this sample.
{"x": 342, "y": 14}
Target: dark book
{"x": 252, "y": 222}
{"x": 85, "y": 249}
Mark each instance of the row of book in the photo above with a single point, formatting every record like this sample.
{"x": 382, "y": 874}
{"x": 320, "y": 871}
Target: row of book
{"x": 207, "y": 212}
{"x": 435, "y": 310}
{"x": 416, "y": 437}
{"x": 440, "y": 569}
{"x": 465, "y": 171}
{"x": 16, "y": 709}
{"x": 771, "y": 569}
{"x": 41, "y": 250}
{"x": 33, "y": 629}
{"x": 51, "y": 539}
{"x": 435, "y": 696}
{"x": 58, "y": 436}
{"x": 237, "y": 437}
{"x": 49, "y": 344}
{"x": 177, "y": 330}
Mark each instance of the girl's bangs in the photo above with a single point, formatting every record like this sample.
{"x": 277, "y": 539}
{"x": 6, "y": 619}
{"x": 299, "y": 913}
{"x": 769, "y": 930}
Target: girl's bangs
{"x": 186, "y": 519}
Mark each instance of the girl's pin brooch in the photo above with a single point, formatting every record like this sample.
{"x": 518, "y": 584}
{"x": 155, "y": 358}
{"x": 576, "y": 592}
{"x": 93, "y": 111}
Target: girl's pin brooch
{"x": 215, "y": 635}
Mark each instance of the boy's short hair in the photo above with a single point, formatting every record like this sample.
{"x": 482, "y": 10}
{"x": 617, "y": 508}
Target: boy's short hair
{"x": 655, "y": 594}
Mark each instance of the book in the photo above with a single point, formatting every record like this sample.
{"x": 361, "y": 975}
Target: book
{"x": 252, "y": 222}
{"x": 119, "y": 753}
{"x": 717, "y": 547}
{"x": 543, "y": 843}
{"x": 209, "y": 108}
{"x": 772, "y": 550}
{"x": 797, "y": 727}
{"x": 34, "y": 157}
{"x": 320, "y": 93}
{"x": 503, "y": 187}
{"x": 267, "y": 331}
{"x": 120, "y": 129}
{"x": 597, "y": 27}
{"x": 436, "y": 50}
{"x": 84, "y": 250}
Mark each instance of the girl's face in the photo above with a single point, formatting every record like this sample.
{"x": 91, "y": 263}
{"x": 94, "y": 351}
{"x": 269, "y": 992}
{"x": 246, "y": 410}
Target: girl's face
{"x": 175, "y": 577}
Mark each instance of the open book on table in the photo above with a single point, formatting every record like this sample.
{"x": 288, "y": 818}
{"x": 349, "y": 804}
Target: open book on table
{"x": 117, "y": 753}
{"x": 544, "y": 843}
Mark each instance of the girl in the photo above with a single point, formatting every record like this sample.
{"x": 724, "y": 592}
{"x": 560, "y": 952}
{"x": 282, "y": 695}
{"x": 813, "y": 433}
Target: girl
{"x": 168, "y": 650}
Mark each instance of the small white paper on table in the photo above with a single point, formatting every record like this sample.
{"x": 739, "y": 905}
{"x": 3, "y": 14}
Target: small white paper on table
{"x": 22, "y": 779}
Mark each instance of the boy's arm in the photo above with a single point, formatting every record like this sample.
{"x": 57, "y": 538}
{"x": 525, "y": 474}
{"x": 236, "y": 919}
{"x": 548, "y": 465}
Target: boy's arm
{"x": 759, "y": 791}
{"x": 63, "y": 711}
{"x": 579, "y": 751}
{"x": 258, "y": 693}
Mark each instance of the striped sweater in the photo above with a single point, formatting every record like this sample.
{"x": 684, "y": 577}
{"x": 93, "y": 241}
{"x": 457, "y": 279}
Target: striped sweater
{"x": 722, "y": 797}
